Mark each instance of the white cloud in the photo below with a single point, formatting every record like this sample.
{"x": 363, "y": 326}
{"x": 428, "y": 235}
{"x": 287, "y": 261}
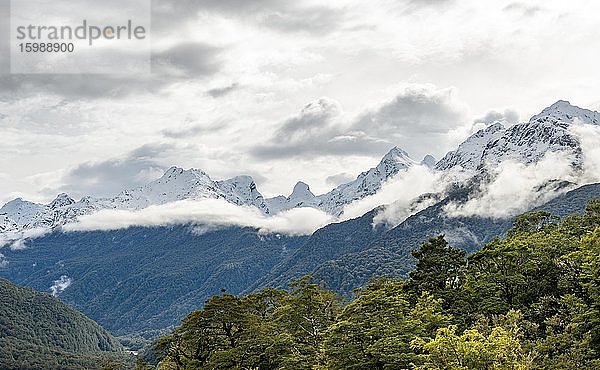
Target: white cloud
{"x": 60, "y": 285}
{"x": 209, "y": 212}
{"x": 398, "y": 193}
{"x": 3, "y": 261}
{"x": 18, "y": 240}
{"x": 589, "y": 139}
{"x": 516, "y": 187}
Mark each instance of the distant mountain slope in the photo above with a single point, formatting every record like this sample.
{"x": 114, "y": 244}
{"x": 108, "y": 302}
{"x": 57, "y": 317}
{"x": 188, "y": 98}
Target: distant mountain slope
{"x": 572, "y": 202}
{"x": 37, "y": 331}
{"x": 140, "y": 279}
{"x": 387, "y": 253}
{"x": 329, "y": 242}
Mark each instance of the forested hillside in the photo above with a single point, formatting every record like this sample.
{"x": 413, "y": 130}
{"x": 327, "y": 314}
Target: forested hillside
{"x": 530, "y": 300}
{"x": 140, "y": 279}
{"x": 37, "y": 331}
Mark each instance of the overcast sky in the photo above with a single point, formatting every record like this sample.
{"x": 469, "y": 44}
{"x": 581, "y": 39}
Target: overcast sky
{"x": 295, "y": 90}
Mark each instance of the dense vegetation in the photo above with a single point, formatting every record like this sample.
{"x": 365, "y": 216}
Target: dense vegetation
{"x": 37, "y": 331}
{"x": 140, "y": 279}
{"x": 346, "y": 255}
{"x": 530, "y": 300}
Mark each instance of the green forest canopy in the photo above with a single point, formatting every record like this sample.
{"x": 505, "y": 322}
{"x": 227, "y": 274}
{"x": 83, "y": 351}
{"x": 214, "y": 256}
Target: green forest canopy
{"x": 528, "y": 301}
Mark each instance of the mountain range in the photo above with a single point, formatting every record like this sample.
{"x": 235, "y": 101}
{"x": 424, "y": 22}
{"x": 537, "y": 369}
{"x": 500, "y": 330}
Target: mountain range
{"x": 144, "y": 279}
{"x": 178, "y": 184}
{"x": 526, "y": 142}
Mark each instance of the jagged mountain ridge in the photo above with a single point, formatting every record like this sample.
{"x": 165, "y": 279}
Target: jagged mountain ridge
{"x": 366, "y": 184}
{"x": 179, "y": 184}
{"x": 526, "y": 142}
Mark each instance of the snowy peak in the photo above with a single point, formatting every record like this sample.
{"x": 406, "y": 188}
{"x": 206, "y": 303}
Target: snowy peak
{"x": 526, "y": 142}
{"x": 469, "y": 154}
{"x": 563, "y": 111}
{"x": 242, "y": 190}
{"x": 61, "y": 200}
{"x": 396, "y": 156}
{"x": 395, "y": 160}
{"x": 333, "y": 202}
{"x": 429, "y": 161}
{"x": 301, "y": 192}
{"x": 176, "y": 184}
{"x": 367, "y": 183}
{"x": 21, "y": 211}
{"x": 301, "y": 196}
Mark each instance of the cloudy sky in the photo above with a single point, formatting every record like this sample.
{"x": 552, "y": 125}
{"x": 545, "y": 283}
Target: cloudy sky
{"x": 295, "y": 90}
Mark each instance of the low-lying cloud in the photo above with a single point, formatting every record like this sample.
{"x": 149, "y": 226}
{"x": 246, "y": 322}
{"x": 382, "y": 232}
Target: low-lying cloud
{"x": 209, "y": 212}
{"x": 398, "y": 193}
{"x": 17, "y": 240}
{"x": 60, "y": 285}
{"x": 516, "y": 187}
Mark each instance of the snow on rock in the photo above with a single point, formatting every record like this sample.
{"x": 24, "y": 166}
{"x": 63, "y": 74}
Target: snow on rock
{"x": 21, "y": 211}
{"x": 468, "y": 154}
{"x": 526, "y": 142}
{"x": 7, "y": 225}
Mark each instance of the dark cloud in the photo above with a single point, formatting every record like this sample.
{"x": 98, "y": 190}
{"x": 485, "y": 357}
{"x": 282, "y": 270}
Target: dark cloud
{"x": 222, "y": 91}
{"x": 285, "y": 16}
{"x": 410, "y": 119}
{"x": 184, "y": 61}
{"x": 110, "y": 177}
{"x": 191, "y": 130}
{"x": 313, "y": 119}
{"x": 509, "y": 116}
{"x": 191, "y": 59}
{"x": 416, "y": 111}
{"x": 316, "y": 131}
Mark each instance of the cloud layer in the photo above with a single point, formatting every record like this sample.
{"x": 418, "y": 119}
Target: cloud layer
{"x": 206, "y": 212}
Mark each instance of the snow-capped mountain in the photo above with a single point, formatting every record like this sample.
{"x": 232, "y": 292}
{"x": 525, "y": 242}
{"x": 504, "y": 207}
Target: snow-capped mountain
{"x": 429, "y": 161}
{"x": 179, "y": 184}
{"x": 526, "y": 142}
{"x": 333, "y": 202}
{"x": 7, "y": 225}
{"x": 468, "y": 155}
{"x": 367, "y": 183}
{"x": 176, "y": 184}
{"x": 20, "y": 211}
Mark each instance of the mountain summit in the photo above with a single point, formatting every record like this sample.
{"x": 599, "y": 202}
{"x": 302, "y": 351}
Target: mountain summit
{"x": 526, "y": 142}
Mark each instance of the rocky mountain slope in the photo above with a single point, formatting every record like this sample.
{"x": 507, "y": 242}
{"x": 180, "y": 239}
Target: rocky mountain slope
{"x": 526, "y": 142}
